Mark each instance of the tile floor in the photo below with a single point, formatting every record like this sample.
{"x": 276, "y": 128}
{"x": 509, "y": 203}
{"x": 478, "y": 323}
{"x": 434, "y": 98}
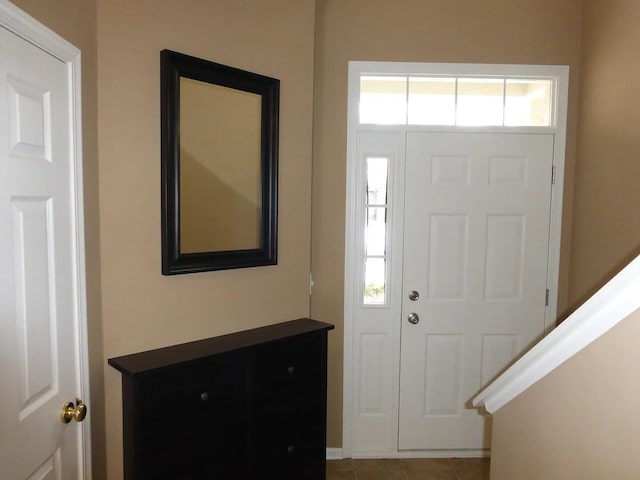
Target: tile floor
{"x": 409, "y": 469}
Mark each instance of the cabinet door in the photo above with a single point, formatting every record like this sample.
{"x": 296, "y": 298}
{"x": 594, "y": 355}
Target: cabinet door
{"x": 194, "y": 422}
{"x": 288, "y": 409}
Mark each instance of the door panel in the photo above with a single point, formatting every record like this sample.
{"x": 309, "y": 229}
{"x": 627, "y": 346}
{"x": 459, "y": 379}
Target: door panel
{"x": 476, "y": 236}
{"x": 39, "y": 306}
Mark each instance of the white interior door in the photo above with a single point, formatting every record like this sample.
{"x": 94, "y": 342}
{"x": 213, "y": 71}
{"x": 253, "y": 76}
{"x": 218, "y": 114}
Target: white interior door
{"x": 476, "y": 244}
{"x": 41, "y": 279}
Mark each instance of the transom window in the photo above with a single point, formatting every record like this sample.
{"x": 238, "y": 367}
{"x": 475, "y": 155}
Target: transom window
{"x": 456, "y": 100}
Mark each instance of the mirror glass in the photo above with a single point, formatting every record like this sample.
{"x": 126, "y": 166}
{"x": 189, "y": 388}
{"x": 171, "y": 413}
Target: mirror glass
{"x": 219, "y": 166}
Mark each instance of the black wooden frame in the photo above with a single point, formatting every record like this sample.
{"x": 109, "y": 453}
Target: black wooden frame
{"x": 173, "y": 66}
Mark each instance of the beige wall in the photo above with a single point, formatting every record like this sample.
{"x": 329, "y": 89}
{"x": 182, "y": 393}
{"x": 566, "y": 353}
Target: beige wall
{"x": 141, "y": 308}
{"x": 491, "y": 31}
{"x": 606, "y": 232}
{"x": 580, "y": 422}
{"x": 75, "y": 21}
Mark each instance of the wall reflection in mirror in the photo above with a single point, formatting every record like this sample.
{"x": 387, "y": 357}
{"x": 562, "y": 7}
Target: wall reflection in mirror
{"x": 220, "y": 128}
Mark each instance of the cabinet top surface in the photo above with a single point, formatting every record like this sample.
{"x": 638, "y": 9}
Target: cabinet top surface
{"x": 142, "y": 362}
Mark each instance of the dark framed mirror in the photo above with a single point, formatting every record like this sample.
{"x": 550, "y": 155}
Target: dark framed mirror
{"x": 219, "y": 129}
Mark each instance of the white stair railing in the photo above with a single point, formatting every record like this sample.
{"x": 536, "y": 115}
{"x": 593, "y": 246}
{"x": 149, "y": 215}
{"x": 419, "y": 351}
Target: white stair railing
{"x": 614, "y": 302}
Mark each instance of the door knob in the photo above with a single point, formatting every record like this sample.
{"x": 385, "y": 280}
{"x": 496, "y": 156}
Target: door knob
{"x": 413, "y": 318}
{"x": 77, "y": 412}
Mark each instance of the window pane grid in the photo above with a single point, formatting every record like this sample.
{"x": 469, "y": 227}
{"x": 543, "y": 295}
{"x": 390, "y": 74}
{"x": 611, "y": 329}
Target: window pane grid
{"x": 376, "y": 231}
{"x": 456, "y": 101}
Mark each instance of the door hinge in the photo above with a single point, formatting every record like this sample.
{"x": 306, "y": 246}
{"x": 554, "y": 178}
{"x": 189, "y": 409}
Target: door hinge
{"x": 311, "y": 283}
{"x": 553, "y": 175}
{"x": 546, "y": 298}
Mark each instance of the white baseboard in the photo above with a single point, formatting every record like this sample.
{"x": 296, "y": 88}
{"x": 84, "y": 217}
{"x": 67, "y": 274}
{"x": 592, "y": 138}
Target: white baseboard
{"x": 334, "y": 454}
{"x": 425, "y": 454}
{"x": 337, "y": 454}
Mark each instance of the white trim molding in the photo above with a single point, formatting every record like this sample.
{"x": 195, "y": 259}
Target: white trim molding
{"x": 609, "y": 306}
{"x": 372, "y": 335}
{"x": 334, "y": 454}
{"x": 337, "y": 454}
{"x": 18, "y": 22}
{"x": 468, "y": 453}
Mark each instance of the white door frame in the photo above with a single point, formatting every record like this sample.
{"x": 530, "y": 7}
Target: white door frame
{"x": 352, "y": 232}
{"x": 15, "y": 20}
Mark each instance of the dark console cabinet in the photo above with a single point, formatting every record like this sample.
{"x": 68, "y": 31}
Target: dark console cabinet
{"x": 249, "y": 405}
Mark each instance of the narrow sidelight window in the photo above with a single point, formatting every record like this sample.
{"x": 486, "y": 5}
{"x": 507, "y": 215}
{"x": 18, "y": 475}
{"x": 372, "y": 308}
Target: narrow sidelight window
{"x": 376, "y": 231}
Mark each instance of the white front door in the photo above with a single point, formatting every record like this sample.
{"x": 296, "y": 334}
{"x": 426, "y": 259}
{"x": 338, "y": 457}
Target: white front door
{"x": 476, "y": 245}
{"x": 41, "y": 254}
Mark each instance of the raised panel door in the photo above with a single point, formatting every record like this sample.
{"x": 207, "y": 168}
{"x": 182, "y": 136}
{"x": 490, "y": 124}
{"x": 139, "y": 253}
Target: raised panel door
{"x": 476, "y": 241}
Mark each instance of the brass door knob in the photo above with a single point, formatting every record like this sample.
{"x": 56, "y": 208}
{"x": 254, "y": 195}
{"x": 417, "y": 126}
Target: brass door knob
{"x": 77, "y": 412}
